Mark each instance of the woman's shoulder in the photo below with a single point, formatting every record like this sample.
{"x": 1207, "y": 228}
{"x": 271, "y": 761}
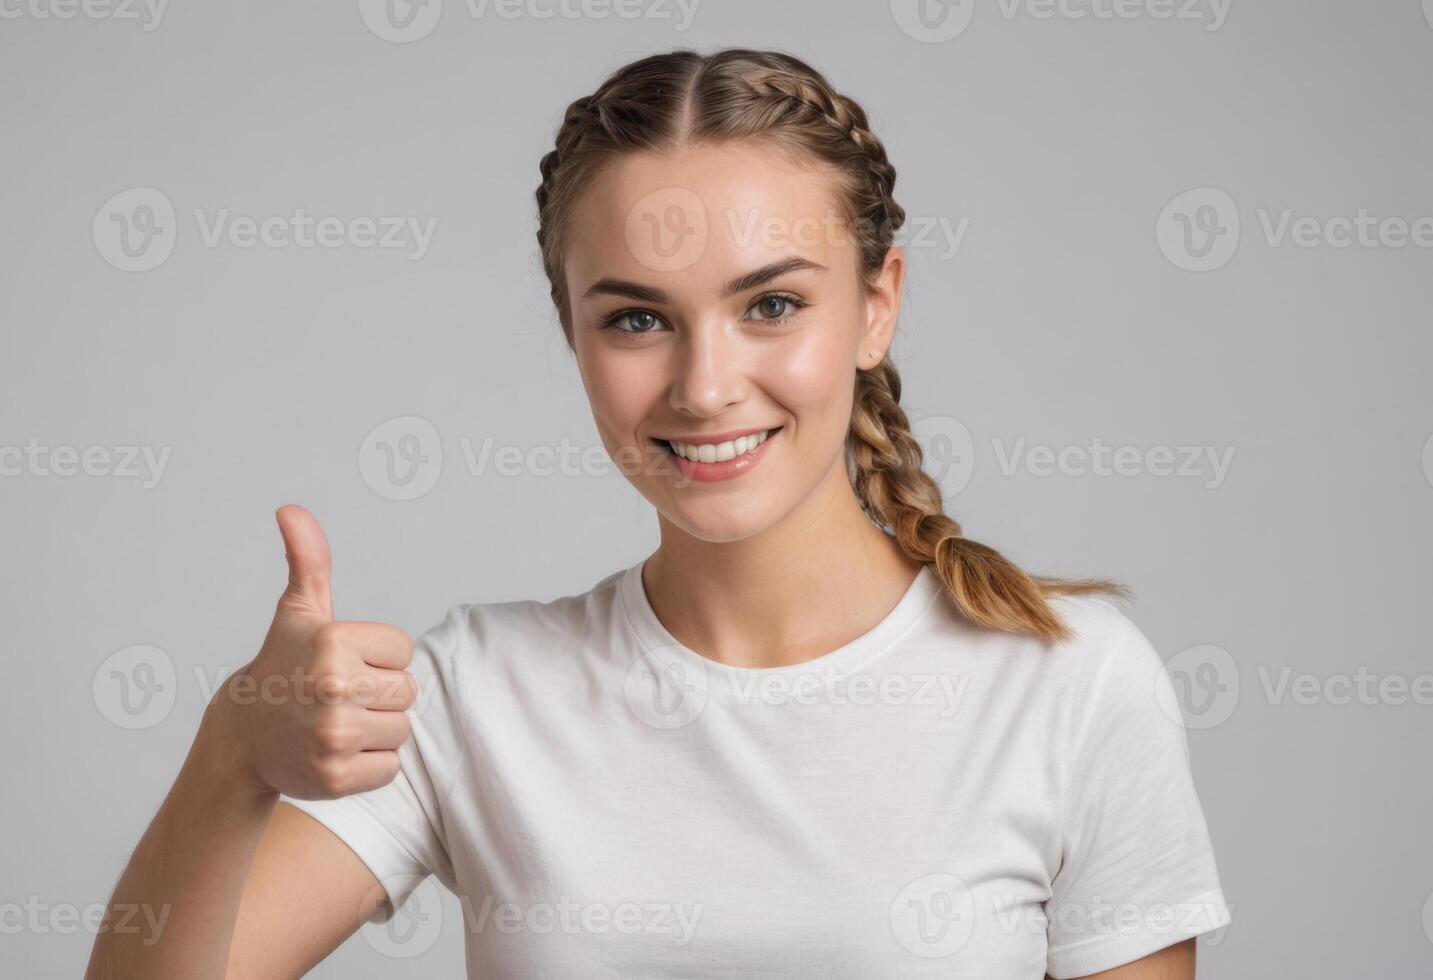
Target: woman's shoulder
{"x": 526, "y": 629}
{"x": 1109, "y": 659}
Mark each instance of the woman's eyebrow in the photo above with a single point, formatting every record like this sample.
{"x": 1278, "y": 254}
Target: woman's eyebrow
{"x": 768, "y": 272}
{"x": 651, "y": 294}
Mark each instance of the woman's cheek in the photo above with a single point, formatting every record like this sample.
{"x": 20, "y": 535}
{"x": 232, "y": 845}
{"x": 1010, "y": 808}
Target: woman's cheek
{"x": 815, "y": 380}
{"x": 616, "y": 387}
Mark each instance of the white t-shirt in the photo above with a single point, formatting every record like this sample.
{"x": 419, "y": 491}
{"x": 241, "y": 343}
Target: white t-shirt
{"x": 930, "y": 799}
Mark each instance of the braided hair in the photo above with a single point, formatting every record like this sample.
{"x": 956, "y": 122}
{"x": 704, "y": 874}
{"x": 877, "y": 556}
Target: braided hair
{"x": 682, "y": 97}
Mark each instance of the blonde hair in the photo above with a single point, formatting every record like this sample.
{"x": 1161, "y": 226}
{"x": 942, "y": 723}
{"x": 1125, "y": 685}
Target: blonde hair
{"x": 666, "y": 100}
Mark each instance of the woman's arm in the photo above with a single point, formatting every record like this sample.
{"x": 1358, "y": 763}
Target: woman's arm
{"x": 226, "y": 873}
{"x": 1171, "y": 963}
{"x": 230, "y": 875}
{"x": 281, "y": 931}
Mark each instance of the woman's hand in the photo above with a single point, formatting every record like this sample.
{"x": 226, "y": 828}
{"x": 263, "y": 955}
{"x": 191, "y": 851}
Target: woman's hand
{"x": 320, "y": 711}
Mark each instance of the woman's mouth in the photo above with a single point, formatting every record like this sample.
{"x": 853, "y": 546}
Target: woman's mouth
{"x": 707, "y": 462}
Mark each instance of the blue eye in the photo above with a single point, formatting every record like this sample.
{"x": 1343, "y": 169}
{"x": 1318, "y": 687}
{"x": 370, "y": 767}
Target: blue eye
{"x": 780, "y": 306}
{"x": 771, "y": 308}
{"x": 643, "y": 321}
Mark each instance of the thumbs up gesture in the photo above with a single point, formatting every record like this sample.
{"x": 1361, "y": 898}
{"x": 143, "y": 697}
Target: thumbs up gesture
{"x": 321, "y": 710}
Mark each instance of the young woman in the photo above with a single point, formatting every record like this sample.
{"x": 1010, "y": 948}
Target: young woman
{"x": 817, "y": 733}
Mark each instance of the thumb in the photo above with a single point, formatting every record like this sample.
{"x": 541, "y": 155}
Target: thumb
{"x": 306, "y": 549}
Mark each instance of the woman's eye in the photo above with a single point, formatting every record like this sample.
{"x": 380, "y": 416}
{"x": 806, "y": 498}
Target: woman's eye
{"x": 772, "y": 308}
{"x": 634, "y": 321}
{"x": 776, "y": 306}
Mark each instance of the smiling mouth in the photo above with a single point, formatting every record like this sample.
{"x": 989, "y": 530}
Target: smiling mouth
{"x": 717, "y": 452}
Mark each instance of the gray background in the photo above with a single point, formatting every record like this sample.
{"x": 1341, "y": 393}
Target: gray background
{"x": 1059, "y": 320}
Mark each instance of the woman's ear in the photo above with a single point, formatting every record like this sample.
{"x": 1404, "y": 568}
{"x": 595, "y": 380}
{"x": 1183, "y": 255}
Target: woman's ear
{"x": 883, "y": 306}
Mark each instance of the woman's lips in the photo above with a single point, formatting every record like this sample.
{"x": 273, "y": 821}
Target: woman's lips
{"x": 694, "y": 470}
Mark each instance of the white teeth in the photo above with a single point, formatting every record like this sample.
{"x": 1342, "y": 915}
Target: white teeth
{"x": 721, "y": 451}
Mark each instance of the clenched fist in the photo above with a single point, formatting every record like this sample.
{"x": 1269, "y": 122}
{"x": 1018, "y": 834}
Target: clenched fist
{"x": 320, "y": 712}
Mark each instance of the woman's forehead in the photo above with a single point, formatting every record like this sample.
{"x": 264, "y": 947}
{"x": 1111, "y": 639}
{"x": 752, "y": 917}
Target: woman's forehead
{"x": 703, "y": 213}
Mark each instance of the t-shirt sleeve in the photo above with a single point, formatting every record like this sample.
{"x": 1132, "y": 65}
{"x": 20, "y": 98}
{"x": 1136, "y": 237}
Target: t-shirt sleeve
{"x": 1137, "y": 871}
{"x": 397, "y": 830}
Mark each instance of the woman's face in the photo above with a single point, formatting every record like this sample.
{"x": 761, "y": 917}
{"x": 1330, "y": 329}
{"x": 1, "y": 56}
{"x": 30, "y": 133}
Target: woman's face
{"x": 716, "y": 291}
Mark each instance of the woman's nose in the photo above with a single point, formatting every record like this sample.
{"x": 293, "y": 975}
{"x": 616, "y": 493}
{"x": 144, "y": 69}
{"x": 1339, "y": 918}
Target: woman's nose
{"x": 709, "y": 373}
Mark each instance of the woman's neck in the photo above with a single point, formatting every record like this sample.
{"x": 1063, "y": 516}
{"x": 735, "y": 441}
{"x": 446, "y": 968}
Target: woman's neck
{"x": 814, "y": 581}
